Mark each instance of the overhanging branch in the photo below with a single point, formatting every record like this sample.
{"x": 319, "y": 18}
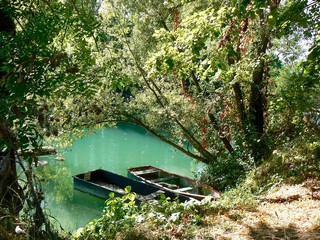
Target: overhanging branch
{"x": 138, "y": 122}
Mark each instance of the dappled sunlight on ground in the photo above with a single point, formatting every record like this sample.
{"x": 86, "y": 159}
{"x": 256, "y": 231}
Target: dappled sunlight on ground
{"x": 291, "y": 212}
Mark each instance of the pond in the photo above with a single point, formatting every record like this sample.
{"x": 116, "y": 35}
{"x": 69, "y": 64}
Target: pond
{"x": 113, "y": 149}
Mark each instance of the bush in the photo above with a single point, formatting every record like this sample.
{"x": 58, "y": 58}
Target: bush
{"x": 118, "y": 216}
{"x": 224, "y": 173}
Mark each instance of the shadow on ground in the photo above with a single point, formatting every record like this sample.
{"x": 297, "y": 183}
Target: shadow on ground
{"x": 264, "y": 231}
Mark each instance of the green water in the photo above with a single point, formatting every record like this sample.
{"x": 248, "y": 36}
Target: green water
{"x": 111, "y": 149}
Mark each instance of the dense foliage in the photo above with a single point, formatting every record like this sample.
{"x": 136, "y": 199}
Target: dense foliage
{"x": 34, "y": 63}
{"x": 225, "y": 82}
{"x": 121, "y": 217}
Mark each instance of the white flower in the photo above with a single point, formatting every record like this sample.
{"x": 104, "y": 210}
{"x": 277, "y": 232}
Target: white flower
{"x": 77, "y": 234}
{"x": 18, "y": 230}
{"x": 190, "y": 203}
{"x": 139, "y": 218}
{"x": 174, "y": 217}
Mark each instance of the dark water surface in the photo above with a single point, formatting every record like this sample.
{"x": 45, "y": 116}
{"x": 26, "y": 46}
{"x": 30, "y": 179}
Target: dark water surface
{"x": 115, "y": 150}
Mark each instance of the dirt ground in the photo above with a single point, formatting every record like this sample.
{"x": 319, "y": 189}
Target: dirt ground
{"x": 290, "y": 212}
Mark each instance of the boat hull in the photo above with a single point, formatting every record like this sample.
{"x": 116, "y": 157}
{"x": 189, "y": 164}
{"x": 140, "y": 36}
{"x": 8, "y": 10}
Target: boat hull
{"x": 101, "y": 183}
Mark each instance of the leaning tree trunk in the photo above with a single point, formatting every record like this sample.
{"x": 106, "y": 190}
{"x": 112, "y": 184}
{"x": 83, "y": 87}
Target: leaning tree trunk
{"x": 11, "y": 194}
{"x": 10, "y": 190}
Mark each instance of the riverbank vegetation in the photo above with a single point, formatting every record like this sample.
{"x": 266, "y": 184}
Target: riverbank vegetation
{"x": 232, "y": 84}
{"x": 279, "y": 200}
{"x": 283, "y": 211}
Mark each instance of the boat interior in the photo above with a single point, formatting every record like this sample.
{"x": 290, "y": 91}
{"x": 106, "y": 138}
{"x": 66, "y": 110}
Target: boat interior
{"x": 167, "y": 180}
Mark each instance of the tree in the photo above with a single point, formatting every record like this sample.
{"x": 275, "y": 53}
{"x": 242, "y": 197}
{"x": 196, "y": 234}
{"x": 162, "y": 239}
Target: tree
{"x": 8, "y": 173}
{"x": 45, "y": 53}
{"x": 195, "y": 75}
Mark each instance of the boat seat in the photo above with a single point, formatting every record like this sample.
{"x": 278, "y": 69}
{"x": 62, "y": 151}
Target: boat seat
{"x": 169, "y": 185}
{"x": 184, "y": 189}
{"x": 163, "y": 179}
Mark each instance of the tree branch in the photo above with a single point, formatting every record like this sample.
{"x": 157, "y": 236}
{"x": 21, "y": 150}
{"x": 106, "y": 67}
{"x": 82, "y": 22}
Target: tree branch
{"x": 138, "y": 122}
{"x": 223, "y": 139}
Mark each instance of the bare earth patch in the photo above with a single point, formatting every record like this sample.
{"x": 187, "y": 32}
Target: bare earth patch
{"x": 291, "y": 212}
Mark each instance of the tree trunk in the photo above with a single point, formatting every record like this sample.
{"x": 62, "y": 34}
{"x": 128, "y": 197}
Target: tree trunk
{"x": 240, "y": 106}
{"x": 11, "y": 194}
{"x": 256, "y": 114}
{"x": 256, "y": 99}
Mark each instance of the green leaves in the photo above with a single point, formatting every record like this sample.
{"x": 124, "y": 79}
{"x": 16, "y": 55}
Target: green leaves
{"x": 170, "y": 63}
{"x": 168, "y": 69}
{"x": 128, "y": 189}
{"x": 111, "y": 195}
{"x": 118, "y": 216}
{"x": 49, "y": 56}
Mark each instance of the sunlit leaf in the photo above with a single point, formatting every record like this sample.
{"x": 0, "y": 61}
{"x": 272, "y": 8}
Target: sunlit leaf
{"x": 131, "y": 196}
{"x": 111, "y": 195}
{"x": 127, "y": 189}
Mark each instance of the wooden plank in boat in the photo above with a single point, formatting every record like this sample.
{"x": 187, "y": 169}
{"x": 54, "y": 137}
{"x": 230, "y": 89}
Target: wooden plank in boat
{"x": 164, "y": 179}
{"x": 184, "y": 189}
{"x": 146, "y": 171}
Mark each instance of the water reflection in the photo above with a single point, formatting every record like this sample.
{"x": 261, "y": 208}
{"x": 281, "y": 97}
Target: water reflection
{"x": 112, "y": 149}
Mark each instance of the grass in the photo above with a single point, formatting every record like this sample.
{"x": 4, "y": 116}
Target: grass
{"x": 288, "y": 212}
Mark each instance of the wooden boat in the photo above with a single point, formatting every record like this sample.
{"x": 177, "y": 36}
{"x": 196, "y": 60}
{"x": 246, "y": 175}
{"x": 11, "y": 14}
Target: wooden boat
{"x": 100, "y": 183}
{"x": 170, "y": 182}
